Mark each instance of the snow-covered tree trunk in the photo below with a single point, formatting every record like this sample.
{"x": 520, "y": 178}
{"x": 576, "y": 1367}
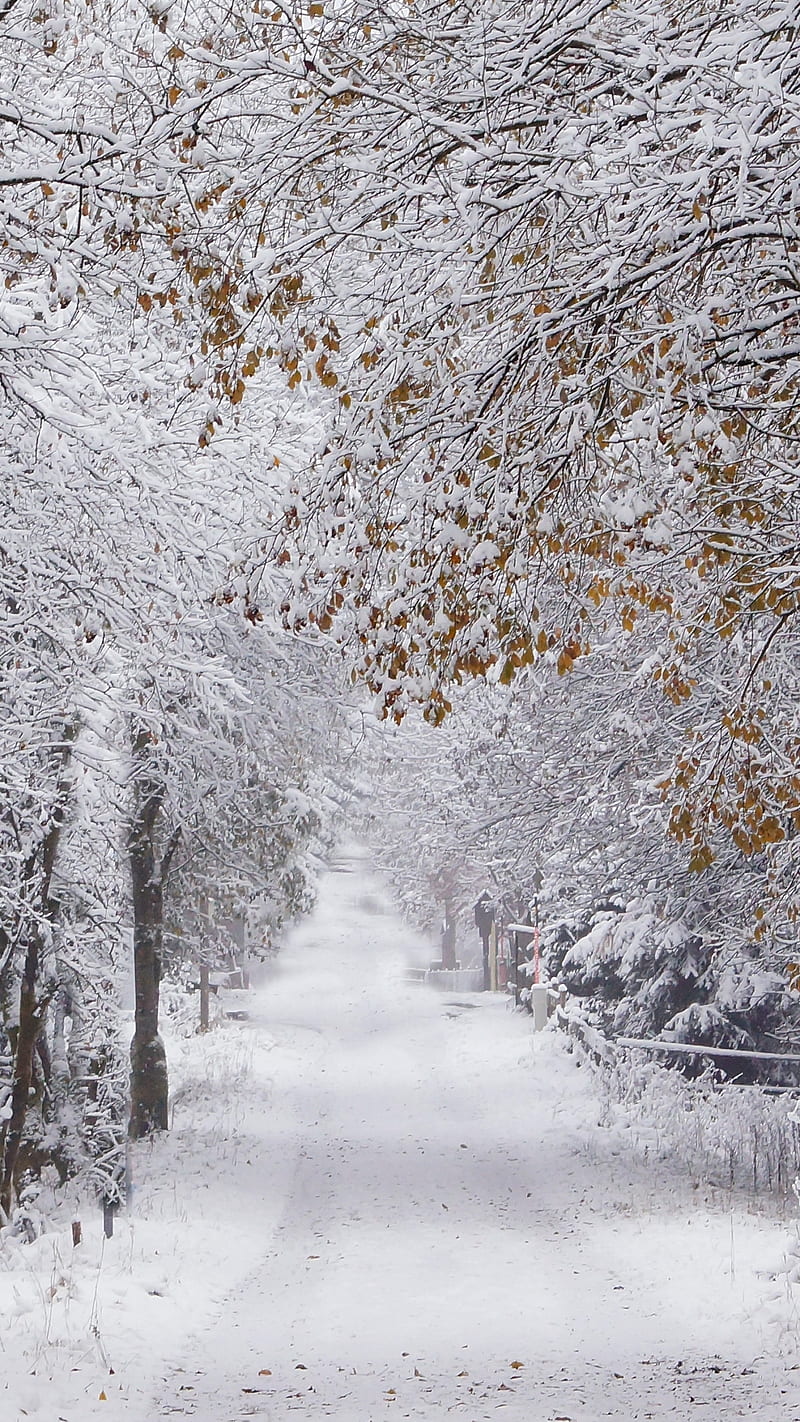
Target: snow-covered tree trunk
{"x": 27, "y": 1033}
{"x": 149, "y": 1080}
{"x": 36, "y": 915}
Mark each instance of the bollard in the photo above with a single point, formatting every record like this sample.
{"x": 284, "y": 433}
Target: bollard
{"x": 539, "y": 1000}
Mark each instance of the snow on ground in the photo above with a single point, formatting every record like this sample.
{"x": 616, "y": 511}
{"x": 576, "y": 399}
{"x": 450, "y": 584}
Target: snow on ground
{"x": 381, "y": 1202}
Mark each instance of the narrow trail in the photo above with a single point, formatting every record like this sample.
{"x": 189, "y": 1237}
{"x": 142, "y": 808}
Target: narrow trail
{"x": 459, "y": 1235}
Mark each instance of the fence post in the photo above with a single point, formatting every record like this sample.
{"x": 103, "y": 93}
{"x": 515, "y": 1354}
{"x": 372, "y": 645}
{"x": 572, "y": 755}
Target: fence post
{"x": 204, "y": 995}
{"x": 540, "y": 994}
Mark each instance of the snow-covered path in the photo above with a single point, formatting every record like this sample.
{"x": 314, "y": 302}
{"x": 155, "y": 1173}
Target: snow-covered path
{"x": 459, "y": 1235}
{"x": 383, "y": 1203}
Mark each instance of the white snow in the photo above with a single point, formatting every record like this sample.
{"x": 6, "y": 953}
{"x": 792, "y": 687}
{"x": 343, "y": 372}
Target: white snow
{"x": 378, "y": 1201}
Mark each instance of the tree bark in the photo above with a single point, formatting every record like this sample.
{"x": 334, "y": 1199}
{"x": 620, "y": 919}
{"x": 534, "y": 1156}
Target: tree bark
{"x": 149, "y": 1078}
{"x": 34, "y": 997}
{"x": 449, "y": 936}
{"x": 27, "y": 1033}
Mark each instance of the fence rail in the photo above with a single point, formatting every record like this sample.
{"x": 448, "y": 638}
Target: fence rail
{"x": 728, "y": 1134}
{"x": 652, "y": 1044}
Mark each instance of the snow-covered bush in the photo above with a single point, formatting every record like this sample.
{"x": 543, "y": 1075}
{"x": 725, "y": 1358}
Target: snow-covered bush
{"x": 641, "y": 973}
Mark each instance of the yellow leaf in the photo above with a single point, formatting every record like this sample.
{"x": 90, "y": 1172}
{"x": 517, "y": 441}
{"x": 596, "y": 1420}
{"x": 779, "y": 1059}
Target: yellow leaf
{"x": 487, "y": 454}
{"x": 701, "y": 858}
{"x": 174, "y": 93}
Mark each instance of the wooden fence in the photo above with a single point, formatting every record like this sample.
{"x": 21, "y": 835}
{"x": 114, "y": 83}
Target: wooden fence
{"x": 727, "y": 1133}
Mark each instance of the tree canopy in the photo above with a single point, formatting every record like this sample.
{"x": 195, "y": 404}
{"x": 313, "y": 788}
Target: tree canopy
{"x": 452, "y": 346}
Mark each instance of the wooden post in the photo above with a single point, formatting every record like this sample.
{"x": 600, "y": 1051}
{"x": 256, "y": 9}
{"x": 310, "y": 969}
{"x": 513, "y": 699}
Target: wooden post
{"x": 536, "y": 942}
{"x": 128, "y": 1176}
{"x": 493, "y": 958}
{"x": 204, "y": 997}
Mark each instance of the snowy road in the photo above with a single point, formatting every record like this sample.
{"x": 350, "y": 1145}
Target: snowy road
{"x": 380, "y": 1203}
{"x": 459, "y": 1236}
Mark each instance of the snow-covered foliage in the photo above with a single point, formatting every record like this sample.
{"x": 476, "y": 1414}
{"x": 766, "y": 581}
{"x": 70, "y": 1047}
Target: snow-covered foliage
{"x": 467, "y": 333}
{"x": 152, "y": 710}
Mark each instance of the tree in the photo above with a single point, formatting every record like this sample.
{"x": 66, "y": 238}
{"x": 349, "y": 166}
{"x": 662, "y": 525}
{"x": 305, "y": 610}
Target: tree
{"x": 126, "y": 535}
{"x": 548, "y": 255}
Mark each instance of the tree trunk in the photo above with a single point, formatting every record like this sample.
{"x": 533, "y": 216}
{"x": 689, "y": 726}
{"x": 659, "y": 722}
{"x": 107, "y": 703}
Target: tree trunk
{"x": 149, "y": 1080}
{"x": 34, "y": 998}
{"x": 27, "y": 1033}
{"x": 449, "y": 936}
